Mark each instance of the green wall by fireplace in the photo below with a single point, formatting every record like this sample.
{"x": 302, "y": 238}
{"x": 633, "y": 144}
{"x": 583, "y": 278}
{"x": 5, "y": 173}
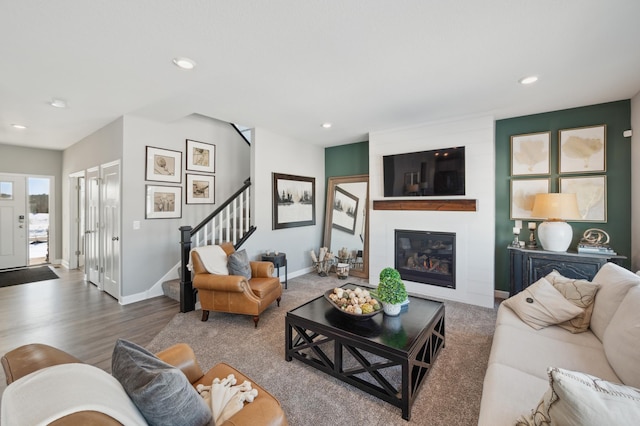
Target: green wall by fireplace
{"x": 346, "y": 160}
{"x": 617, "y": 117}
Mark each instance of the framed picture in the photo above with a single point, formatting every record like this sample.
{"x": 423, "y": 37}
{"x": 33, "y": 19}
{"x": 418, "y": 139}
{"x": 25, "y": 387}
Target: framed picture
{"x": 200, "y": 189}
{"x": 591, "y": 192}
{"x": 294, "y": 201}
{"x": 201, "y": 157}
{"x": 163, "y": 165}
{"x": 163, "y": 202}
{"x": 345, "y": 211}
{"x": 523, "y": 192}
{"x": 583, "y": 150}
{"x": 530, "y": 154}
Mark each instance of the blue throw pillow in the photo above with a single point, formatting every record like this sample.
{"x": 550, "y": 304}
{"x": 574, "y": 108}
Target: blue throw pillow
{"x": 239, "y": 264}
{"x": 161, "y": 392}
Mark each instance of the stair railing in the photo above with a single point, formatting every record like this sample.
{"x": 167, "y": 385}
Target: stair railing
{"x": 231, "y": 222}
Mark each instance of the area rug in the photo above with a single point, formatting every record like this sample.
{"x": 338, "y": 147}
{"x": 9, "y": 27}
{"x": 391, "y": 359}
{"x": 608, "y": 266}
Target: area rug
{"x": 449, "y": 396}
{"x": 26, "y": 275}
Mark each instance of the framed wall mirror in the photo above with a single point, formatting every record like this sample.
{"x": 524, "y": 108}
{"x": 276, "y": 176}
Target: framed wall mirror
{"x": 346, "y": 224}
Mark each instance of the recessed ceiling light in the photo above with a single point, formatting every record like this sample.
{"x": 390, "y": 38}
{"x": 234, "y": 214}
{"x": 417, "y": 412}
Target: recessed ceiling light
{"x": 58, "y": 103}
{"x": 184, "y": 63}
{"x": 18, "y": 126}
{"x": 326, "y": 125}
{"x": 528, "y": 80}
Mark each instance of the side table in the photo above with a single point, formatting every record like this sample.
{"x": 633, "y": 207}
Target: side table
{"x": 278, "y": 260}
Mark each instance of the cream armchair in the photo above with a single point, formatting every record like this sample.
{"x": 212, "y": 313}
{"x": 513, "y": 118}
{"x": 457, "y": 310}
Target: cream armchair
{"x": 233, "y": 293}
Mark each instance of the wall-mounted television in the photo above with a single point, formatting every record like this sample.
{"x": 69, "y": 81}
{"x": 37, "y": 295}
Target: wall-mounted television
{"x": 425, "y": 173}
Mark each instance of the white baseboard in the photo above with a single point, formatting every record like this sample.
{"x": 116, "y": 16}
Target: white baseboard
{"x": 500, "y": 294}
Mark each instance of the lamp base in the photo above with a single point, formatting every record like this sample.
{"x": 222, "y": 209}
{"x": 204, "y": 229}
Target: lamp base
{"x": 555, "y": 235}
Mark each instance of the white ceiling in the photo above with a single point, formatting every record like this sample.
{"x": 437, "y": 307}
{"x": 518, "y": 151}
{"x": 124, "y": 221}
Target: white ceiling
{"x": 290, "y": 65}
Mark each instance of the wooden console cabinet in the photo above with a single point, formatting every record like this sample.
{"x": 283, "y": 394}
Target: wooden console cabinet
{"x": 529, "y": 265}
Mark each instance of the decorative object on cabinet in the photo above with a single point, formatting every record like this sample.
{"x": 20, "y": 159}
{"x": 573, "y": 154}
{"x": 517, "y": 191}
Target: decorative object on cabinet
{"x": 591, "y": 192}
{"x": 554, "y": 233}
{"x": 163, "y": 165}
{"x": 201, "y": 189}
{"x": 294, "y": 201}
{"x": 523, "y": 193}
{"x": 530, "y": 154}
{"x": 595, "y": 241}
{"x": 201, "y": 157}
{"x": 583, "y": 150}
{"x": 163, "y": 202}
{"x": 529, "y": 265}
{"x": 532, "y": 243}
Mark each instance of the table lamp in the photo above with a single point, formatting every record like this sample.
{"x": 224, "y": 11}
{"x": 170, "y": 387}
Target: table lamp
{"x": 554, "y": 233}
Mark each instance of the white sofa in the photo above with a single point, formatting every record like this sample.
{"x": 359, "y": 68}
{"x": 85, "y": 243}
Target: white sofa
{"x": 516, "y": 378}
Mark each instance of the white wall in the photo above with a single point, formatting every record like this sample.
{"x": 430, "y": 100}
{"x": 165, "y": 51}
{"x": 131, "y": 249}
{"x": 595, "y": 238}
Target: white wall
{"x": 272, "y": 153}
{"x": 474, "y": 230}
{"x": 635, "y": 183}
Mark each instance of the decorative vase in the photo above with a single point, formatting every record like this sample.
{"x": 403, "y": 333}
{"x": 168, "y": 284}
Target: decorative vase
{"x": 342, "y": 270}
{"x": 392, "y": 309}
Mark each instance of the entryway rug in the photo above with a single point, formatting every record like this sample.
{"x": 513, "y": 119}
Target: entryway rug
{"x": 26, "y": 275}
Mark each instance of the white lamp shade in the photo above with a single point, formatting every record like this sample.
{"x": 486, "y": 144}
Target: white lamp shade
{"x": 555, "y": 236}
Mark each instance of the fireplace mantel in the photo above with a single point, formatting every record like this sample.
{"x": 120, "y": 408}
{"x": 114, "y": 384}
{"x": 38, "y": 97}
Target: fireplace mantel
{"x": 465, "y": 205}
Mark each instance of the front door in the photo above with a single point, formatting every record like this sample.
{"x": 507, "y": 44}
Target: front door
{"x": 13, "y": 221}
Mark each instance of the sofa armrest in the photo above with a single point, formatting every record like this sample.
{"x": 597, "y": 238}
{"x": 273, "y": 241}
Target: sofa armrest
{"x": 181, "y": 356}
{"x": 228, "y": 283}
{"x": 261, "y": 269}
{"x": 29, "y": 358}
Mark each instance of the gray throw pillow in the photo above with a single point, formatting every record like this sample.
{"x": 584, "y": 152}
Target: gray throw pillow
{"x": 161, "y": 392}
{"x": 239, "y": 264}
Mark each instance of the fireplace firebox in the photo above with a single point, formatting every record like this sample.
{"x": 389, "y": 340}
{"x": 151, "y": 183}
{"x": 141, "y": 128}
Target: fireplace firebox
{"x": 426, "y": 257}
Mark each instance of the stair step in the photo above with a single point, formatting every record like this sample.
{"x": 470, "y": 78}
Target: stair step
{"x": 171, "y": 289}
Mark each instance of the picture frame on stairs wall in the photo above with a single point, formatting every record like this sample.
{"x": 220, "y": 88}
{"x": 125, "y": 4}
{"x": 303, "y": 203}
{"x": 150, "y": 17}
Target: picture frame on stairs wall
{"x": 163, "y": 165}
{"x": 200, "y": 189}
{"x": 201, "y": 157}
{"x": 163, "y": 202}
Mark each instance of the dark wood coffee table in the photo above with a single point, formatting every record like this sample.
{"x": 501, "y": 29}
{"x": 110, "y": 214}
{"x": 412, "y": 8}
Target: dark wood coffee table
{"x": 388, "y": 357}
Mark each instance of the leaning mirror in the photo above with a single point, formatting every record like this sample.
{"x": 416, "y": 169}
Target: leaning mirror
{"x": 346, "y": 229}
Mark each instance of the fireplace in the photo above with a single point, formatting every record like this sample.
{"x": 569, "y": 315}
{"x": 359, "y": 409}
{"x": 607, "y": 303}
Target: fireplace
{"x": 426, "y": 257}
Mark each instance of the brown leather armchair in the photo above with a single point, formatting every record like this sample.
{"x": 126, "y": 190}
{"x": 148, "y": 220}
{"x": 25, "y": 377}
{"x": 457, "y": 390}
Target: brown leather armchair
{"x": 234, "y": 293}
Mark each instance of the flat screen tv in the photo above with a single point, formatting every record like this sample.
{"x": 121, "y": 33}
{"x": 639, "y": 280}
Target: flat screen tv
{"x": 426, "y": 173}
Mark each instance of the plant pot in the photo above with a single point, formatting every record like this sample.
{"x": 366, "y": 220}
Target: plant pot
{"x": 392, "y": 309}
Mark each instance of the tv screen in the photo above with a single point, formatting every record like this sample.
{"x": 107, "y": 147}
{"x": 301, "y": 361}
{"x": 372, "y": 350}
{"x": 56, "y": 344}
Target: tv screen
{"x": 425, "y": 173}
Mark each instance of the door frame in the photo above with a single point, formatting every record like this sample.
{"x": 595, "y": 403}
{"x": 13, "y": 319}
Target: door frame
{"x": 74, "y": 214}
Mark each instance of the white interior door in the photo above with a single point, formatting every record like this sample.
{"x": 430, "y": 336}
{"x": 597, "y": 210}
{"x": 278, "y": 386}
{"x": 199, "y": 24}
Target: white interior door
{"x": 13, "y": 221}
{"x": 80, "y": 220}
{"x": 111, "y": 229}
{"x": 92, "y": 231}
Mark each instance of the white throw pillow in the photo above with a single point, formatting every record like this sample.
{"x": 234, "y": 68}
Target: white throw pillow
{"x": 622, "y": 339}
{"x": 581, "y": 293}
{"x": 575, "y": 398}
{"x": 214, "y": 259}
{"x": 541, "y": 305}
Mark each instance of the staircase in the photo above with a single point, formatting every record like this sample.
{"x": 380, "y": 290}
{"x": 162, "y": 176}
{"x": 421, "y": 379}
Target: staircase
{"x": 231, "y": 222}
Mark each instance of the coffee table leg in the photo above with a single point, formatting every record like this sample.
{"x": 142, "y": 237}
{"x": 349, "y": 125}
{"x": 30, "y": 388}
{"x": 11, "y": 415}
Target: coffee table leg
{"x": 288, "y": 344}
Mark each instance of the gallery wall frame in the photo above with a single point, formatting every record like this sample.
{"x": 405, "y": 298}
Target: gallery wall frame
{"x": 201, "y": 156}
{"x": 530, "y": 154}
{"x": 163, "y": 165}
{"x": 345, "y": 211}
{"x": 201, "y": 189}
{"x": 591, "y": 192}
{"x": 583, "y": 149}
{"x": 523, "y": 193}
{"x": 163, "y": 202}
{"x": 294, "y": 201}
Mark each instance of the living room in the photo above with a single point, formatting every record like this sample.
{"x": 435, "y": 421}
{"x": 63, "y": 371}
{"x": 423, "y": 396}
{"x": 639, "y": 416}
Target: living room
{"x": 491, "y": 115}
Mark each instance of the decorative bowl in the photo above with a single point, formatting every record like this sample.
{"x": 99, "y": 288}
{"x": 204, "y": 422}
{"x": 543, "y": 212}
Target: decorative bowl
{"x": 348, "y": 314}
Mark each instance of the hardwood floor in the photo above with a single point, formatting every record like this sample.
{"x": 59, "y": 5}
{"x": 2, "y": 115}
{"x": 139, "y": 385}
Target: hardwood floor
{"x": 75, "y": 316}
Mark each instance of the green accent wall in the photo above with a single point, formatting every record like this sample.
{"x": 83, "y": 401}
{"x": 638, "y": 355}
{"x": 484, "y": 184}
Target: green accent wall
{"x": 346, "y": 160}
{"x": 617, "y": 117}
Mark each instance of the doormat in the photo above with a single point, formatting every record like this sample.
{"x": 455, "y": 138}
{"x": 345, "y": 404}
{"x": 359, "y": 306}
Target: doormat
{"x": 27, "y": 275}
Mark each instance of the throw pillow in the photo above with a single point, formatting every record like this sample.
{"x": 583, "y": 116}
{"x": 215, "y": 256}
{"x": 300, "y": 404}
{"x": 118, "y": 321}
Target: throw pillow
{"x": 161, "y": 392}
{"x": 239, "y": 264}
{"x": 581, "y": 293}
{"x": 575, "y": 398}
{"x": 541, "y": 305}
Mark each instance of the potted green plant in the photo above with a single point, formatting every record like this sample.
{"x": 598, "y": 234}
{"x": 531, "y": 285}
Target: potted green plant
{"x": 391, "y": 291}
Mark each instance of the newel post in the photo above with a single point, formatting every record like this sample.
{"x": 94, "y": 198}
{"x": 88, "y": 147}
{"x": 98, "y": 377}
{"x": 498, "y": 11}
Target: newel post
{"x": 187, "y": 295}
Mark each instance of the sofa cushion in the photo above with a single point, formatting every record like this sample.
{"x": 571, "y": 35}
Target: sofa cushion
{"x": 614, "y": 283}
{"x": 541, "y": 305}
{"x": 622, "y": 339}
{"x": 581, "y": 293}
{"x": 214, "y": 259}
{"x": 160, "y": 391}
{"x": 239, "y": 264}
{"x": 575, "y": 398}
